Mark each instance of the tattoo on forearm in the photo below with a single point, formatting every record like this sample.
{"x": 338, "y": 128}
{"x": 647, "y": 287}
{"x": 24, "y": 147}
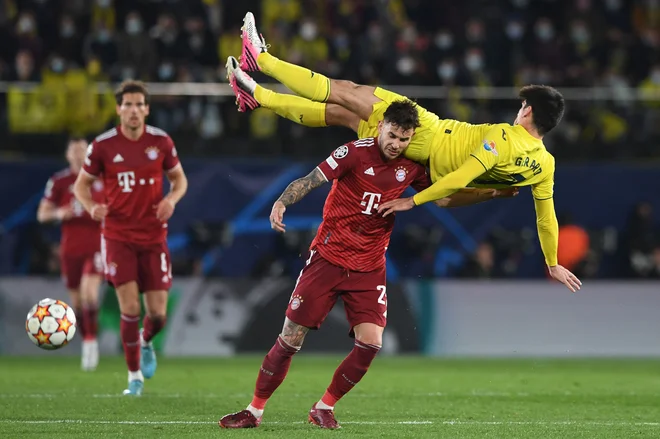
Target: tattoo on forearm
{"x": 297, "y": 190}
{"x": 293, "y": 333}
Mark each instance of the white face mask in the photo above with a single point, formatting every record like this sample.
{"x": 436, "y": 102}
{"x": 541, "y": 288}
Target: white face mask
{"x": 474, "y": 62}
{"x": 25, "y": 25}
{"x": 446, "y": 70}
{"x": 308, "y": 31}
{"x": 133, "y": 26}
{"x": 580, "y": 34}
{"x": 545, "y": 32}
{"x": 444, "y": 41}
{"x": 515, "y": 31}
{"x": 405, "y": 65}
{"x": 67, "y": 30}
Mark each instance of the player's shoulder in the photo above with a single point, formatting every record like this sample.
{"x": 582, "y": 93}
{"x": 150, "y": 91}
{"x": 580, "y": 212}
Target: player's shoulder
{"x": 155, "y": 132}
{"x": 499, "y": 130}
{"x": 106, "y": 137}
{"x": 62, "y": 174}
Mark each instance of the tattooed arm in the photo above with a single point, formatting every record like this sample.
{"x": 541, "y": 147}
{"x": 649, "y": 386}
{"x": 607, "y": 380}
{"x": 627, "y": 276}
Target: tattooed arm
{"x": 296, "y": 191}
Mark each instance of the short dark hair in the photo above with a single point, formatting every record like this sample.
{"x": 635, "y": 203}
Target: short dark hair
{"x": 547, "y": 106}
{"x": 402, "y": 113}
{"x": 131, "y": 86}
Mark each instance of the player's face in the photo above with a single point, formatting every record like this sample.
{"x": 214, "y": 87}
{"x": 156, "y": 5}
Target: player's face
{"x": 392, "y": 139}
{"x": 75, "y": 154}
{"x": 133, "y": 110}
{"x": 522, "y": 113}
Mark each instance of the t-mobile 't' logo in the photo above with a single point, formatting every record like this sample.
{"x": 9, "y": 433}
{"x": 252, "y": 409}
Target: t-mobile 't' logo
{"x": 126, "y": 181}
{"x": 370, "y": 201}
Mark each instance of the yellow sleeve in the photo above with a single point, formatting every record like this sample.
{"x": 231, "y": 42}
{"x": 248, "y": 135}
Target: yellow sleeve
{"x": 483, "y": 157}
{"x": 544, "y": 189}
{"x": 452, "y": 182}
{"x": 548, "y": 229}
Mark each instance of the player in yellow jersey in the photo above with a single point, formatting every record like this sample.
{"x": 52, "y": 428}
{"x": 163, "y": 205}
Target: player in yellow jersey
{"x": 458, "y": 154}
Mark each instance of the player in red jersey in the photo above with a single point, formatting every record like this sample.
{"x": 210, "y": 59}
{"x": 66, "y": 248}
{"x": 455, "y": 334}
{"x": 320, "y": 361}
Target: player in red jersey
{"x": 130, "y": 160}
{"x": 80, "y": 246}
{"x": 347, "y": 258}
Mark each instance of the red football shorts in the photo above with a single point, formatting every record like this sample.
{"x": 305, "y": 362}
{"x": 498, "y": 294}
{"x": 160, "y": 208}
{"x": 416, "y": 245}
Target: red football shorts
{"x": 147, "y": 264}
{"x": 321, "y": 283}
{"x": 74, "y": 267}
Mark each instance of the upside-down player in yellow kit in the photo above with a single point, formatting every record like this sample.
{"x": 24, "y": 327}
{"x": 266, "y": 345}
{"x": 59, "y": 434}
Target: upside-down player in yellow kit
{"x": 458, "y": 154}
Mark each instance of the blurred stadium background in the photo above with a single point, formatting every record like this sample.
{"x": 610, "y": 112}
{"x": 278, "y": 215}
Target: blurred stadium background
{"x": 469, "y": 281}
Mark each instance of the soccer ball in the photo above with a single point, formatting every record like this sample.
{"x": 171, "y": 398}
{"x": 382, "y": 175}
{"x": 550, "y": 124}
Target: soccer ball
{"x": 51, "y": 324}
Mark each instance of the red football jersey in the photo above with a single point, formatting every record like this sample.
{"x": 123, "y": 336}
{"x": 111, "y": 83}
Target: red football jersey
{"x": 132, "y": 173}
{"x": 353, "y": 234}
{"x": 81, "y": 235}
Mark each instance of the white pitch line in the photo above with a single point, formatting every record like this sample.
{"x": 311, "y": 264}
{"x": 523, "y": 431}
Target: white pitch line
{"x": 446, "y": 422}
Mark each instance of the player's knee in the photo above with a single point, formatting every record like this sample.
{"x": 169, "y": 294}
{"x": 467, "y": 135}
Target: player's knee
{"x": 158, "y": 321}
{"x": 369, "y": 334}
{"x": 293, "y": 340}
{"x": 342, "y": 89}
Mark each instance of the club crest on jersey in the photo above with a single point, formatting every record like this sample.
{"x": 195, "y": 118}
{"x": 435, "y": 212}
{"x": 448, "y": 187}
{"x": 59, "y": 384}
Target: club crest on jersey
{"x": 490, "y": 146}
{"x": 400, "y": 173}
{"x": 152, "y": 152}
{"x": 340, "y": 152}
{"x": 296, "y": 301}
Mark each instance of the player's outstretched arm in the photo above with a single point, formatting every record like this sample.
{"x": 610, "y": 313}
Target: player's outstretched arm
{"x": 82, "y": 189}
{"x": 548, "y": 229}
{"x": 294, "y": 192}
{"x": 470, "y": 196}
{"x": 446, "y": 186}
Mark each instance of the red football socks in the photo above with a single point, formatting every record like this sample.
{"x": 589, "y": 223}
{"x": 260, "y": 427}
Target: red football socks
{"x": 130, "y": 337}
{"x": 272, "y": 372}
{"x": 81, "y": 322}
{"x": 350, "y": 372}
{"x": 152, "y": 326}
{"x": 90, "y": 324}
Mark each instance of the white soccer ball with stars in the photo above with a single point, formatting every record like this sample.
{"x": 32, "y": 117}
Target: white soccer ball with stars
{"x": 51, "y": 324}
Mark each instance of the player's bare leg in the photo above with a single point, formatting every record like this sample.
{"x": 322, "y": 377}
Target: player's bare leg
{"x": 129, "y": 305}
{"x": 271, "y": 374}
{"x": 368, "y": 341}
{"x": 358, "y": 99}
{"x": 89, "y": 292}
{"x": 250, "y": 95}
{"x": 155, "y": 302}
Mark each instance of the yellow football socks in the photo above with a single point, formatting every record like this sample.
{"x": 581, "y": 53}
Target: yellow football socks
{"x": 301, "y": 81}
{"x": 297, "y": 109}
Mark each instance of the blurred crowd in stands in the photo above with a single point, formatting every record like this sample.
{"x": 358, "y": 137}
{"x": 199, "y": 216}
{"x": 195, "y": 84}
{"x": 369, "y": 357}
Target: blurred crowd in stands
{"x": 70, "y": 45}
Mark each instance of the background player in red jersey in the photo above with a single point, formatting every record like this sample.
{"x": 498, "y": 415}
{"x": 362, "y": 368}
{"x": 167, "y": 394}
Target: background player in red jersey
{"x": 80, "y": 246}
{"x": 131, "y": 159}
{"x": 347, "y": 258}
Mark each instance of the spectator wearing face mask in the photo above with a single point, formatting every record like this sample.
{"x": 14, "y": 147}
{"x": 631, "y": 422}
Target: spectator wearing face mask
{"x": 102, "y": 45}
{"x": 27, "y": 36}
{"x": 136, "y": 50}
{"x": 201, "y": 48}
{"x": 69, "y": 41}
{"x": 310, "y": 46}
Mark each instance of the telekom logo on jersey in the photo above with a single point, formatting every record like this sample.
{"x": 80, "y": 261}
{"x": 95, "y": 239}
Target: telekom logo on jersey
{"x": 370, "y": 202}
{"x": 126, "y": 181}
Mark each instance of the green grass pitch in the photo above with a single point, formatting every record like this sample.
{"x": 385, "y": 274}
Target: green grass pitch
{"x": 400, "y": 397}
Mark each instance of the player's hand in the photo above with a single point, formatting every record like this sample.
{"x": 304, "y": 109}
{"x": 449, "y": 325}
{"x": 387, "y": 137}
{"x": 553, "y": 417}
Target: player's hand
{"x": 64, "y": 213}
{"x": 99, "y": 211}
{"x": 506, "y": 193}
{"x": 276, "y": 217}
{"x": 398, "y": 205}
{"x": 564, "y": 276}
{"x": 165, "y": 210}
